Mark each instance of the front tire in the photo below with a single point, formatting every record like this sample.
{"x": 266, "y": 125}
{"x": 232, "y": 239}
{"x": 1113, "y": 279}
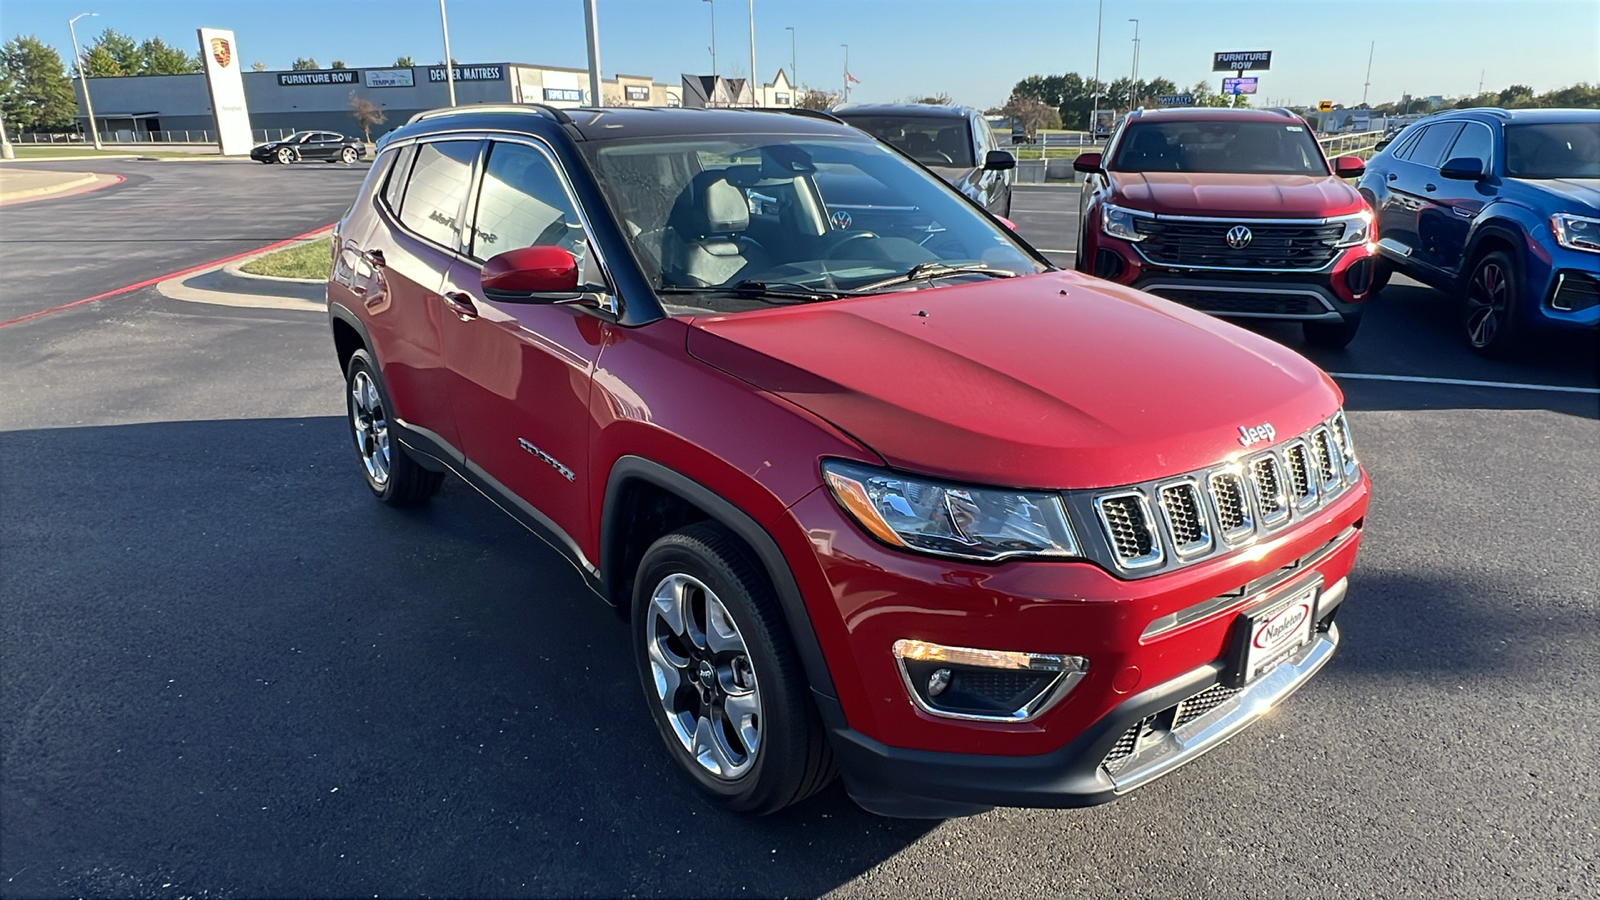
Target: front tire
{"x": 392, "y": 476}
{"x": 1331, "y": 335}
{"x": 285, "y": 155}
{"x": 724, "y": 685}
{"x": 1493, "y": 291}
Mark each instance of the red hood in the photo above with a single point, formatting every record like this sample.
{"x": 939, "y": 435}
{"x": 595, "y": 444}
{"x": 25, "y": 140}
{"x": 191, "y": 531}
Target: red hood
{"x": 1051, "y": 381}
{"x": 1245, "y": 196}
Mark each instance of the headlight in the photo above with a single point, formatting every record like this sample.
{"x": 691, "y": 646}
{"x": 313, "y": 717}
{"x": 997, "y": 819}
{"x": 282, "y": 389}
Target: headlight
{"x": 1576, "y": 232}
{"x": 950, "y": 520}
{"x": 1358, "y": 229}
{"x": 1122, "y": 223}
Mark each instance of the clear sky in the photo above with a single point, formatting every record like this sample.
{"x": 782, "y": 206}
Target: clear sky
{"x": 974, "y": 50}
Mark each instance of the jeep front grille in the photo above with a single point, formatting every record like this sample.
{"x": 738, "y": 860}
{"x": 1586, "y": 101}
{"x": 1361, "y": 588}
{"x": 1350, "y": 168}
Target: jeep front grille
{"x": 1210, "y": 512}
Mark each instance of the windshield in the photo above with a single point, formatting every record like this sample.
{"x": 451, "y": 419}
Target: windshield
{"x": 1268, "y": 148}
{"x": 930, "y": 140}
{"x": 710, "y": 215}
{"x": 1553, "y": 150}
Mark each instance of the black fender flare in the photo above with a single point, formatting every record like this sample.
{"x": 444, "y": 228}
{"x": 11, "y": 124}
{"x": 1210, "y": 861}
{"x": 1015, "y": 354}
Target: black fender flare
{"x": 337, "y": 313}
{"x": 1499, "y": 231}
{"x": 725, "y": 513}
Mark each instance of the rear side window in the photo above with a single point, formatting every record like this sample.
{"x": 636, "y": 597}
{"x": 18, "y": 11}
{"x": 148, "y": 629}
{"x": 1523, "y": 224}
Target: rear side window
{"x": 398, "y": 175}
{"x": 1430, "y": 147}
{"x": 438, "y": 186}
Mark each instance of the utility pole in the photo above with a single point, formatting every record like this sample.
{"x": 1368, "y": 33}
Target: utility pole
{"x": 755, "y": 83}
{"x": 794, "y": 71}
{"x": 83, "y": 77}
{"x": 1368, "y": 84}
{"x": 1099, "y": 24}
{"x": 592, "y": 24}
{"x": 1480, "y": 79}
{"x": 713, "y": 98}
{"x": 1133, "y": 79}
{"x": 449, "y": 64}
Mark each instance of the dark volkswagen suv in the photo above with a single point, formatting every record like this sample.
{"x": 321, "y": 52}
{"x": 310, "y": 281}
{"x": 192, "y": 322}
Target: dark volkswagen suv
{"x": 1501, "y": 207}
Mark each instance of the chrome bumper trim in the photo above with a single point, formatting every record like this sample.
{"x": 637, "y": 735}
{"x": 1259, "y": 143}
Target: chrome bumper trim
{"x": 1190, "y": 741}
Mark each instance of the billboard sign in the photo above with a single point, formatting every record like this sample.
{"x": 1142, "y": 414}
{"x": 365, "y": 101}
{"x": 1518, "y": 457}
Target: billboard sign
{"x": 1175, "y": 99}
{"x": 384, "y": 78}
{"x": 564, "y": 95}
{"x": 1239, "y": 85}
{"x": 637, "y": 92}
{"x": 325, "y": 76}
{"x": 1242, "y": 61}
{"x": 220, "y": 53}
{"x": 436, "y": 74}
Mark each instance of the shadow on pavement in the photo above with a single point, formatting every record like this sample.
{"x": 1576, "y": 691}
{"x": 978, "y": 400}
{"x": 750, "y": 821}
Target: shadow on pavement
{"x": 228, "y": 671}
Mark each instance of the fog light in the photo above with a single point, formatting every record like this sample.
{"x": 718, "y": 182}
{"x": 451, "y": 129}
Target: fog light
{"x": 987, "y": 685}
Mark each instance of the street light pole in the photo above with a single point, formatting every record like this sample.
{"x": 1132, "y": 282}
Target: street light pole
{"x": 846, "y": 72}
{"x": 1133, "y": 78}
{"x": 794, "y": 72}
{"x": 1370, "y": 50}
{"x": 1099, "y": 23}
{"x": 755, "y": 83}
{"x": 83, "y": 78}
{"x": 449, "y": 64}
{"x": 713, "y": 98}
{"x": 591, "y": 24}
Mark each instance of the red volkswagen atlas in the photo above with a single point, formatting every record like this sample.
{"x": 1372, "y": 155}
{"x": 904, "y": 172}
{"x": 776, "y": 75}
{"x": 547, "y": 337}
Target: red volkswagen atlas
{"x": 898, "y": 501}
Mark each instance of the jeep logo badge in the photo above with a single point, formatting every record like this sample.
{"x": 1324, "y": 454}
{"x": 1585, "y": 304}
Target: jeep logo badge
{"x": 1238, "y": 237}
{"x": 1249, "y": 437}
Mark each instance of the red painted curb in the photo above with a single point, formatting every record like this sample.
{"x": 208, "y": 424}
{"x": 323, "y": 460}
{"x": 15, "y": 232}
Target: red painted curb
{"x": 160, "y": 278}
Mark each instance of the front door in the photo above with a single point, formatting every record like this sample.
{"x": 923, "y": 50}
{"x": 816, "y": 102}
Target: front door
{"x": 1460, "y": 200}
{"x": 521, "y": 371}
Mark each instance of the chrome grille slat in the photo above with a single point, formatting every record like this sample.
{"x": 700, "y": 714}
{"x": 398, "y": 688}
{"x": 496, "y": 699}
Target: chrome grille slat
{"x": 1302, "y": 487}
{"x": 1129, "y": 526}
{"x": 1187, "y": 523}
{"x": 1232, "y": 506}
{"x": 1266, "y": 478}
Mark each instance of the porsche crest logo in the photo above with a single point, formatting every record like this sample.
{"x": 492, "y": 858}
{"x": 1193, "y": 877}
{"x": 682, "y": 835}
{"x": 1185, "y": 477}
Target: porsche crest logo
{"x": 221, "y": 52}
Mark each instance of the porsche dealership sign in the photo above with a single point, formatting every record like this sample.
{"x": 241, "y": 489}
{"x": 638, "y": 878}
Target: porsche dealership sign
{"x": 220, "y": 53}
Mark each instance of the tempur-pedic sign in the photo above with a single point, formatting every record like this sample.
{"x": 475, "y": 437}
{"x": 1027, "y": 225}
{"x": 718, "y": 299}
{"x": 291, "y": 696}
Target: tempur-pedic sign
{"x": 436, "y": 74}
{"x": 220, "y": 53}
{"x": 326, "y": 76}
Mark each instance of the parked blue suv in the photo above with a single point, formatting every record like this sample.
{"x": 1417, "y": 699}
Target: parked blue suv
{"x": 1501, "y": 206}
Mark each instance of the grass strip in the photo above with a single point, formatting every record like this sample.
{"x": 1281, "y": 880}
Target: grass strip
{"x": 311, "y": 259}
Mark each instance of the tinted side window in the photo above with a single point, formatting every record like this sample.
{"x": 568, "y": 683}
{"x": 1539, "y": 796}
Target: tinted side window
{"x": 523, "y": 203}
{"x": 1430, "y": 147}
{"x": 439, "y": 183}
{"x": 1476, "y": 142}
{"x": 398, "y": 176}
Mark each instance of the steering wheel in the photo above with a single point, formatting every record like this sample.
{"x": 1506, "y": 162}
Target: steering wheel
{"x": 833, "y": 252}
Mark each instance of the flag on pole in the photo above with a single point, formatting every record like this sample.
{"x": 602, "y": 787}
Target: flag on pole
{"x": 851, "y": 78}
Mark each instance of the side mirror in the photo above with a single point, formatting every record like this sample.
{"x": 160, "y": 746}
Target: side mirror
{"x": 1087, "y": 162}
{"x": 1462, "y": 169}
{"x": 999, "y": 161}
{"x": 1007, "y": 222}
{"x": 531, "y": 275}
{"x": 1349, "y": 166}
{"x": 1379, "y": 146}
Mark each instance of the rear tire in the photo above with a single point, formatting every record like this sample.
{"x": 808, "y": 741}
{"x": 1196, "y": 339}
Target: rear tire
{"x": 722, "y": 680}
{"x": 348, "y": 156}
{"x": 1331, "y": 335}
{"x": 392, "y": 476}
{"x": 1493, "y": 292}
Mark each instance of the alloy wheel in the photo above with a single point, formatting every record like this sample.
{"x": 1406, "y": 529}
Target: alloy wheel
{"x": 285, "y": 155}
{"x": 348, "y": 155}
{"x": 704, "y": 678}
{"x": 1488, "y": 298}
{"x": 371, "y": 427}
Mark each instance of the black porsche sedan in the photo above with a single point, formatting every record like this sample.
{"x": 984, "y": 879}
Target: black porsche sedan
{"x": 327, "y": 146}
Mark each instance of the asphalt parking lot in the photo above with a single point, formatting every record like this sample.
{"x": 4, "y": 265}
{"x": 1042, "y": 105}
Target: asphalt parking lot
{"x": 225, "y": 671}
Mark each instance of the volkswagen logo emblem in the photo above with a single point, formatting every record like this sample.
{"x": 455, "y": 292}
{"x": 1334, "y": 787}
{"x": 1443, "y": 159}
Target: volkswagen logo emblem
{"x": 1238, "y": 237}
{"x": 841, "y": 220}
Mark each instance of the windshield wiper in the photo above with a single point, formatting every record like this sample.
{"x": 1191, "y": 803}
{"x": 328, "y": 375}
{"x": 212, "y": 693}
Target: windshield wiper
{"x": 776, "y": 290}
{"x": 927, "y": 270}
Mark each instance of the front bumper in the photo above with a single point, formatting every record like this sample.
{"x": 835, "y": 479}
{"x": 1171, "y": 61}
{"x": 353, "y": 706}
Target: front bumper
{"x": 1088, "y": 770}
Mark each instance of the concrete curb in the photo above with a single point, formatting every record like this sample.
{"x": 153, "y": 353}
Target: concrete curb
{"x": 178, "y": 288}
{"x": 59, "y": 187}
{"x": 236, "y": 268}
{"x": 45, "y": 159}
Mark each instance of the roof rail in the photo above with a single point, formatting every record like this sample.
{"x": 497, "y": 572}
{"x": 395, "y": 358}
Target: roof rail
{"x": 1284, "y": 111}
{"x": 797, "y": 111}
{"x": 1491, "y": 110}
{"x": 549, "y": 112}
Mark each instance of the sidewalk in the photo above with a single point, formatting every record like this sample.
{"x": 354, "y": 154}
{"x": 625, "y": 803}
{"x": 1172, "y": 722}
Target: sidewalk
{"x": 24, "y": 184}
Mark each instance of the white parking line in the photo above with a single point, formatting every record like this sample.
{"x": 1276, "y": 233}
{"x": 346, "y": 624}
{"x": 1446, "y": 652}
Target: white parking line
{"x": 1463, "y": 382}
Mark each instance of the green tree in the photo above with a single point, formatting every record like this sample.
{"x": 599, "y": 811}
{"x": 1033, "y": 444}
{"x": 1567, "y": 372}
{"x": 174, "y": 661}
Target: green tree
{"x": 258, "y": 67}
{"x": 339, "y": 64}
{"x": 160, "y": 58}
{"x": 811, "y": 98}
{"x": 34, "y": 91}
{"x": 401, "y": 61}
{"x": 99, "y": 63}
{"x": 1030, "y": 113}
{"x": 121, "y": 48}
{"x": 303, "y": 64}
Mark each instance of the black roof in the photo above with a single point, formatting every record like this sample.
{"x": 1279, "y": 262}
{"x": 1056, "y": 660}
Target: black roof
{"x": 613, "y": 123}
{"x": 915, "y": 110}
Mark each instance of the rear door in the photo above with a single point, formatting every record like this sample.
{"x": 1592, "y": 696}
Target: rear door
{"x": 521, "y": 371}
{"x": 410, "y": 249}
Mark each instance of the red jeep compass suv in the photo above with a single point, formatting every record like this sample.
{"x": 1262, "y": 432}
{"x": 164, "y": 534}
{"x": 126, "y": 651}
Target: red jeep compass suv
{"x": 900, "y": 502}
{"x": 1232, "y": 211}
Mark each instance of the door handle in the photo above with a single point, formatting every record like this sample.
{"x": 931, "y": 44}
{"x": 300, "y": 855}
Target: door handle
{"x": 375, "y": 258}
{"x": 1430, "y": 188}
{"x": 1393, "y": 177}
{"x": 461, "y": 304}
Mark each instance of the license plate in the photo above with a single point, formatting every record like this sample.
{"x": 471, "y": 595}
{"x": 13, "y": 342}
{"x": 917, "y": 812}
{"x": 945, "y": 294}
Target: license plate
{"x": 1271, "y": 633}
